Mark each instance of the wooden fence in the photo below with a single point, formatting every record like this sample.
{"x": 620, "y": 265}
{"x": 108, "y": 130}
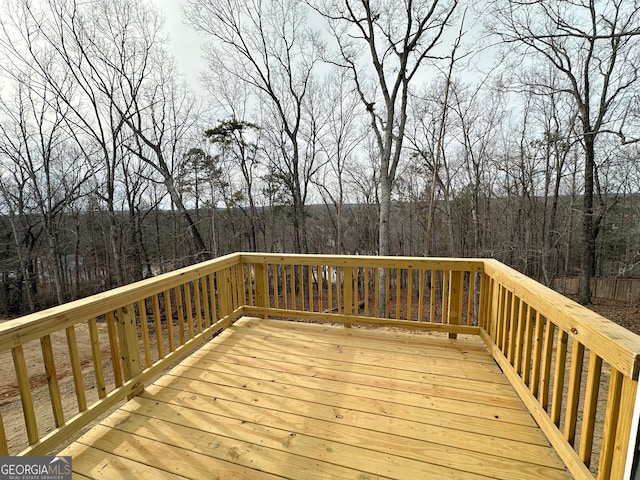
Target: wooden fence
{"x": 623, "y": 289}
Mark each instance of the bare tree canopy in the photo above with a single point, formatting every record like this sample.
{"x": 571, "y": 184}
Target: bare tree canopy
{"x": 595, "y": 47}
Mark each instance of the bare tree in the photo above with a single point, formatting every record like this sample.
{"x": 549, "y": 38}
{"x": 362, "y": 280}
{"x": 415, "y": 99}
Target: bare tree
{"x": 595, "y": 46}
{"x": 268, "y": 45}
{"x": 50, "y": 174}
{"x": 342, "y": 137}
{"x": 397, "y": 38}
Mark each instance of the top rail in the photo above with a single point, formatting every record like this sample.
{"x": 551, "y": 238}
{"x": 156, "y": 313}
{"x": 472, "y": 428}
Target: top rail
{"x": 33, "y": 326}
{"x": 612, "y": 342}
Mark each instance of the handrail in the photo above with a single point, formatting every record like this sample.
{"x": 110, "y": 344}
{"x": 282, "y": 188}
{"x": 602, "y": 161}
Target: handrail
{"x": 555, "y": 352}
{"x": 614, "y": 343}
{"x": 134, "y": 332}
{"x": 560, "y": 357}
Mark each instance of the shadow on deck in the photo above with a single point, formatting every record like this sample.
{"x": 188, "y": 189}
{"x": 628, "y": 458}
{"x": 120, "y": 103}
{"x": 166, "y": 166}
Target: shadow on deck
{"x": 272, "y": 399}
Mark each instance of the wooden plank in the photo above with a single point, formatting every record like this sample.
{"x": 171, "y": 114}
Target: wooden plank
{"x": 170, "y": 458}
{"x": 366, "y": 292}
{"x": 573, "y": 392}
{"x": 301, "y": 287}
{"x": 207, "y": 293}
{"x": 310, "y": 302}
{"x": 158, "y": 326}
{"x": 292, "y": 286}
{"x": 590, "y": 408}
{"x": 89, "y": 462}
{"x": 96, "y": 355}
{"x": 366, "y": 339}
{"x": 436, "y": 411}
{"x": 128, "y": 337}
{"x": 537, "y": 355}
{"x": 225, "y": 289}
{"x": 189, "y": 308}
{"x": 456, "y": 288}
{"x": 484, "y": 303}
{"x": 76, "y": 368}
{"x": 378, "y": 433}
{"x": 206, "y": 451}
{"x": 356, "y": 320}
{"x": 113, "y": 348}
{"x": 373, "y": 261}
{"x": 198, "y": 303}
{"x": 409, "y": 290}
{"x": 432, "y": 297}
{"x": 610, "y": 424}
{"x": 504, "y": 320}
{"x": 348, "y": 293}
{"x": 509, "y": 410}
{"x": 26, "y": 399}
{"x": 547, "y": 359}
{"x": 558, "y": 377}
{"x": 376, "y": 292}
{"x": 177, "y": 292}
{"x": 329, "y": 291}
{"x": 276, "y": 292}
{"x": 350, "y": 450}
{"x": 356, "y": 374}
{"x": 512, "y": 326}
{"x": 483, "y": 393}
{"x": 471, "y": 293}
{"x": 625, "y": 425}
{"x": 144, "y": 331}
{"x": 438, "y": 370}
{"x": 285, "y": 295}
{"x": 398, "y": 292}
{"x": 520, "y": 333}
{"x": 52, "y": 380}
{"x": 242, "y": 286}
{"x": 421, "y": 274}
{"x": 4, "y": 449}
{"x": 528, "y": 345}
{"x": 298, "y": 330}
{"x": 248, "y": 279}
{"x": 387, "y": 294}
{"x": 214, "y": 304}
{"x": 168, "y": 314}
{"x": 444, "y": 299}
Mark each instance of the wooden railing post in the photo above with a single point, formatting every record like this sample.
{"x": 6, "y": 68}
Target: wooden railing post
{"x": 225, "y": 301}
{"x": 456, "y": 286}
{"x": 128, "y": 339}
{"x": 262, "y": 285}
{"x": 348, "y": 293}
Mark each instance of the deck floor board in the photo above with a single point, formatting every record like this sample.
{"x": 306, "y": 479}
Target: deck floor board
{"x": 272, "y": 399}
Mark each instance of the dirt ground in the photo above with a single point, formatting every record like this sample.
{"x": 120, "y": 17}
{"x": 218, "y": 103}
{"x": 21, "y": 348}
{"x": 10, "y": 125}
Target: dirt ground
{"x": 626, "y": 314}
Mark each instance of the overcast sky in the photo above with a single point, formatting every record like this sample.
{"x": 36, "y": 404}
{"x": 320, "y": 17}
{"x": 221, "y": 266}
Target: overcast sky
{"x": 185, "y": 43}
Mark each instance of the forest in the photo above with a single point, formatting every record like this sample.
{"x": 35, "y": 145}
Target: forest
{"x": 507, "y": 130}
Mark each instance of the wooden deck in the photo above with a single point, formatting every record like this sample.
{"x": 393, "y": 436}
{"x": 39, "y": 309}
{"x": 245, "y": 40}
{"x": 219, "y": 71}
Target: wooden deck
{"x": 272, "y": 399}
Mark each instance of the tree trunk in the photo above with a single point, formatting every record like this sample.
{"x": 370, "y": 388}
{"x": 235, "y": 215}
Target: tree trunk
{"x": 588, "y": 232}
{"x": 198, "y": 248}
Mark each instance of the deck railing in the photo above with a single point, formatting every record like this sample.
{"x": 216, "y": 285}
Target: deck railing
{"x": 576, "y": 371}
